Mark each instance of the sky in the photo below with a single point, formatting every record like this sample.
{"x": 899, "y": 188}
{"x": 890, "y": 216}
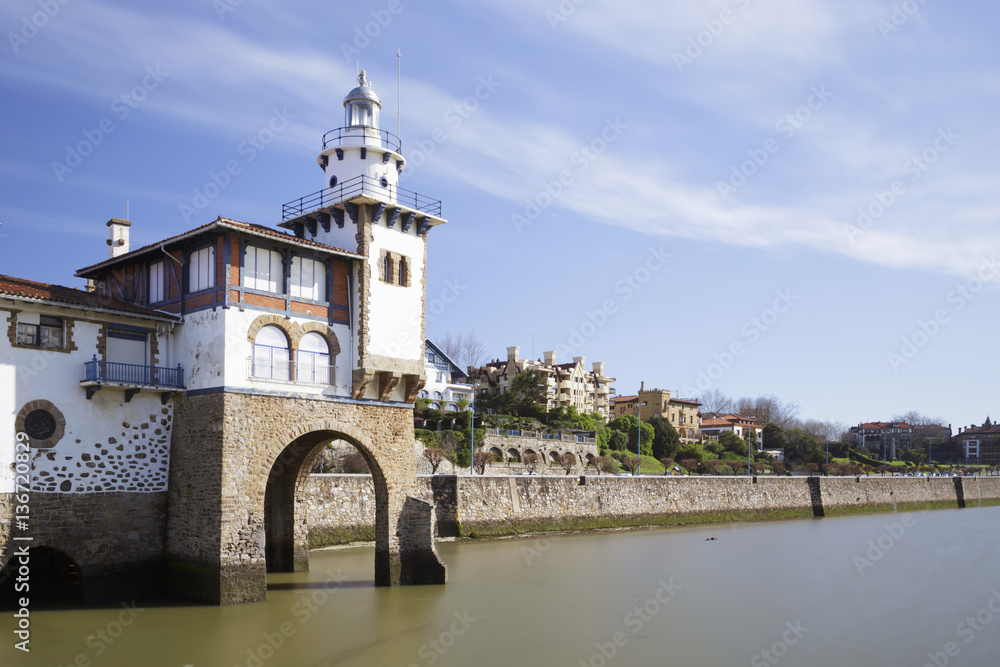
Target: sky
{"x": 793, "y": 198}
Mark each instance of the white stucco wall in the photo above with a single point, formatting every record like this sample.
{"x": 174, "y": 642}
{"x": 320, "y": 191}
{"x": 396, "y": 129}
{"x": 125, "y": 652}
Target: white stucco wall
{"x": 8, "y": 412}
{"x": 108, "y": 444}
{"x": 396, "y": 312}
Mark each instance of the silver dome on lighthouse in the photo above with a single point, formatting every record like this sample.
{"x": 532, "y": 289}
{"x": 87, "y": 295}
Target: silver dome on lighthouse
{"x": 363, "y": 91}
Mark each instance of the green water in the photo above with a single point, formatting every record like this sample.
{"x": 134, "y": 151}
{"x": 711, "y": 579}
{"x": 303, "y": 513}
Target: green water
{"x": 862, "y": 590}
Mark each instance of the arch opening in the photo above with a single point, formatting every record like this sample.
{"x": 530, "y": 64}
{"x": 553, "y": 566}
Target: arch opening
{"x": 286, "y": 545}
{"x": 55, "y": 579}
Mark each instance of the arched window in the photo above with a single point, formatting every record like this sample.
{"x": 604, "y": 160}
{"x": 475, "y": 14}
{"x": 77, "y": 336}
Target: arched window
{"x": 424, "y": 394}
{"x": 270, "y": 354}
{"x": 437, "y": 395}
{"x": 451, "y": 407}
{"x": 313, "y": 362}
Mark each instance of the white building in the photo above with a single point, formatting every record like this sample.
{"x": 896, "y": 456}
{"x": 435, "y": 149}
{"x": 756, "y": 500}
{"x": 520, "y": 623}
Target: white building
{"x": 443, "y": 388}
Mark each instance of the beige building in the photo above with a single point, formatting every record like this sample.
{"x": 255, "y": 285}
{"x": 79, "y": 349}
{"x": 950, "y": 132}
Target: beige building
{"x": 683, "y": 413}
{"x": 569, "y": 384}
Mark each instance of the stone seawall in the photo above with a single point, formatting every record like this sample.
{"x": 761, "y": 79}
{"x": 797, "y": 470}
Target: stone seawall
{"x": 116, "y": 539}
{"x": 341, "y": 506}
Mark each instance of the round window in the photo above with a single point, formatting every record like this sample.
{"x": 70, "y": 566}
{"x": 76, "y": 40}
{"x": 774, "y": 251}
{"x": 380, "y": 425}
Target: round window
{"x": 39, "y": 424}
{"x": 333, "y": 181}
{"x": 384, "y": 182}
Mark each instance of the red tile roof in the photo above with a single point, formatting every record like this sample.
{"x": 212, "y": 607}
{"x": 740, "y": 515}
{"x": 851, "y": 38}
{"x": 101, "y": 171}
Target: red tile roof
{"x": 224, "y": 223}
{"x": 729, "y": 420}
{"x": 20, "y": 288}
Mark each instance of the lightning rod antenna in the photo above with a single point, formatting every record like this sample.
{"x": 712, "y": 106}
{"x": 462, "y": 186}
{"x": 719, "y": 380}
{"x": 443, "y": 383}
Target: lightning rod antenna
{"x": 399, "y": 69}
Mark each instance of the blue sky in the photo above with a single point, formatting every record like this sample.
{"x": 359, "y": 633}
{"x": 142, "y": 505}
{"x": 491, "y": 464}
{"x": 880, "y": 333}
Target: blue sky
{"x": 794, "y": 197}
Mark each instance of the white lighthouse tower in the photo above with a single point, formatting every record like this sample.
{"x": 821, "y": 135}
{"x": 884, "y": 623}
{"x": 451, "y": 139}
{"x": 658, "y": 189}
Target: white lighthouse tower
{"x": 361, "y": 208}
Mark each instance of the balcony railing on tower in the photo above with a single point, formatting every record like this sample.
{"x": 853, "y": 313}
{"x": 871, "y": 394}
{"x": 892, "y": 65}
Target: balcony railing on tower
{"x": 360, "y": 186}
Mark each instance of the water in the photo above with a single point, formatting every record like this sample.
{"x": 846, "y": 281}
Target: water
{"x": 872, "y": 590}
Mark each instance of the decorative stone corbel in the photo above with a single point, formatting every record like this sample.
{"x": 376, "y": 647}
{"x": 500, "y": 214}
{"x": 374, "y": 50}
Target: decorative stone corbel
{"x": 362, "y": 378}
{"x": 387, "y": 382}
{"x": 414, "y": 383}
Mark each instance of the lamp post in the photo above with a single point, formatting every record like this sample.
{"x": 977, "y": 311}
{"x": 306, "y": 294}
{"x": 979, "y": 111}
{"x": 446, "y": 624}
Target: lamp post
{"x": 638, "y": 440}
{"x": 472, "y": 435}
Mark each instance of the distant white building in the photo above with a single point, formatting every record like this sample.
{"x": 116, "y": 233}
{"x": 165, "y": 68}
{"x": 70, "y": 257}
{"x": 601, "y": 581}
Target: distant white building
{"x": 443, "y": 386}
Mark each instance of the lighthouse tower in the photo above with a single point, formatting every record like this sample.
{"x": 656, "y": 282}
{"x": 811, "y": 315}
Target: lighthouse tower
{"x": 361, "y": 208}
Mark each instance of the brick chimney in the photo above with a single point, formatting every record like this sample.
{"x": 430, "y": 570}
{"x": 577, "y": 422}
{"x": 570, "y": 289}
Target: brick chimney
{"x": 118, "y": 237}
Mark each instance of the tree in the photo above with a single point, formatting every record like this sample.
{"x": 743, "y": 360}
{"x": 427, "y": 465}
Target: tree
{"x": 666, "y": 440}
{"x": 529, "y": 392}
{"x": 607, "y": 464}
{"x": 774, "y": 436}
{"x": 767, "y": 409}
{"x": 436, "y": 457}
{"x": 694, "y": 453}
{"x": 803, "y": 447}
{"x": 630, "y": 463}
{"x": 567, "y": 461}
{"x": 480, "y": 460}
{"x": 914, "y": 418}
{"x": 733, "y": 443}
{"x": 618, "y": 440}
{"x": 530, "y": 461}
{"x": 629, "y": 425}
{"x": 465, "y": 350}
{"x": 354, "y": 463}
{"x": 716, "y": 401}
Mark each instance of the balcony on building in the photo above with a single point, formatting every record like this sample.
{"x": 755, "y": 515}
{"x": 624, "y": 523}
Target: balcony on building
{"x": 133, "y": 378}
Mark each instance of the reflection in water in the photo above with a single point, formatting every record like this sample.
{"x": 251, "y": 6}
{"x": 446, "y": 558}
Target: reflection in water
{"x": 785, "y": 593}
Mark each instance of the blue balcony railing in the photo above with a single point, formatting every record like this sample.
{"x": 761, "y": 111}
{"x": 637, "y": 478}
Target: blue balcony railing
{"x": 112, "y": 371}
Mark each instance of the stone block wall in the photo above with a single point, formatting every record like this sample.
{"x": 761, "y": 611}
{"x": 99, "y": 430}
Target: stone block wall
{"x": 497, "y": 505}
{"x": 116, "y": 539}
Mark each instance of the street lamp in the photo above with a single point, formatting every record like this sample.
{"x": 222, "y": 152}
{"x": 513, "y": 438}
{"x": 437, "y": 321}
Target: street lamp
{"x": 638, "y": 440}
{"x": 472, "y": 435}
